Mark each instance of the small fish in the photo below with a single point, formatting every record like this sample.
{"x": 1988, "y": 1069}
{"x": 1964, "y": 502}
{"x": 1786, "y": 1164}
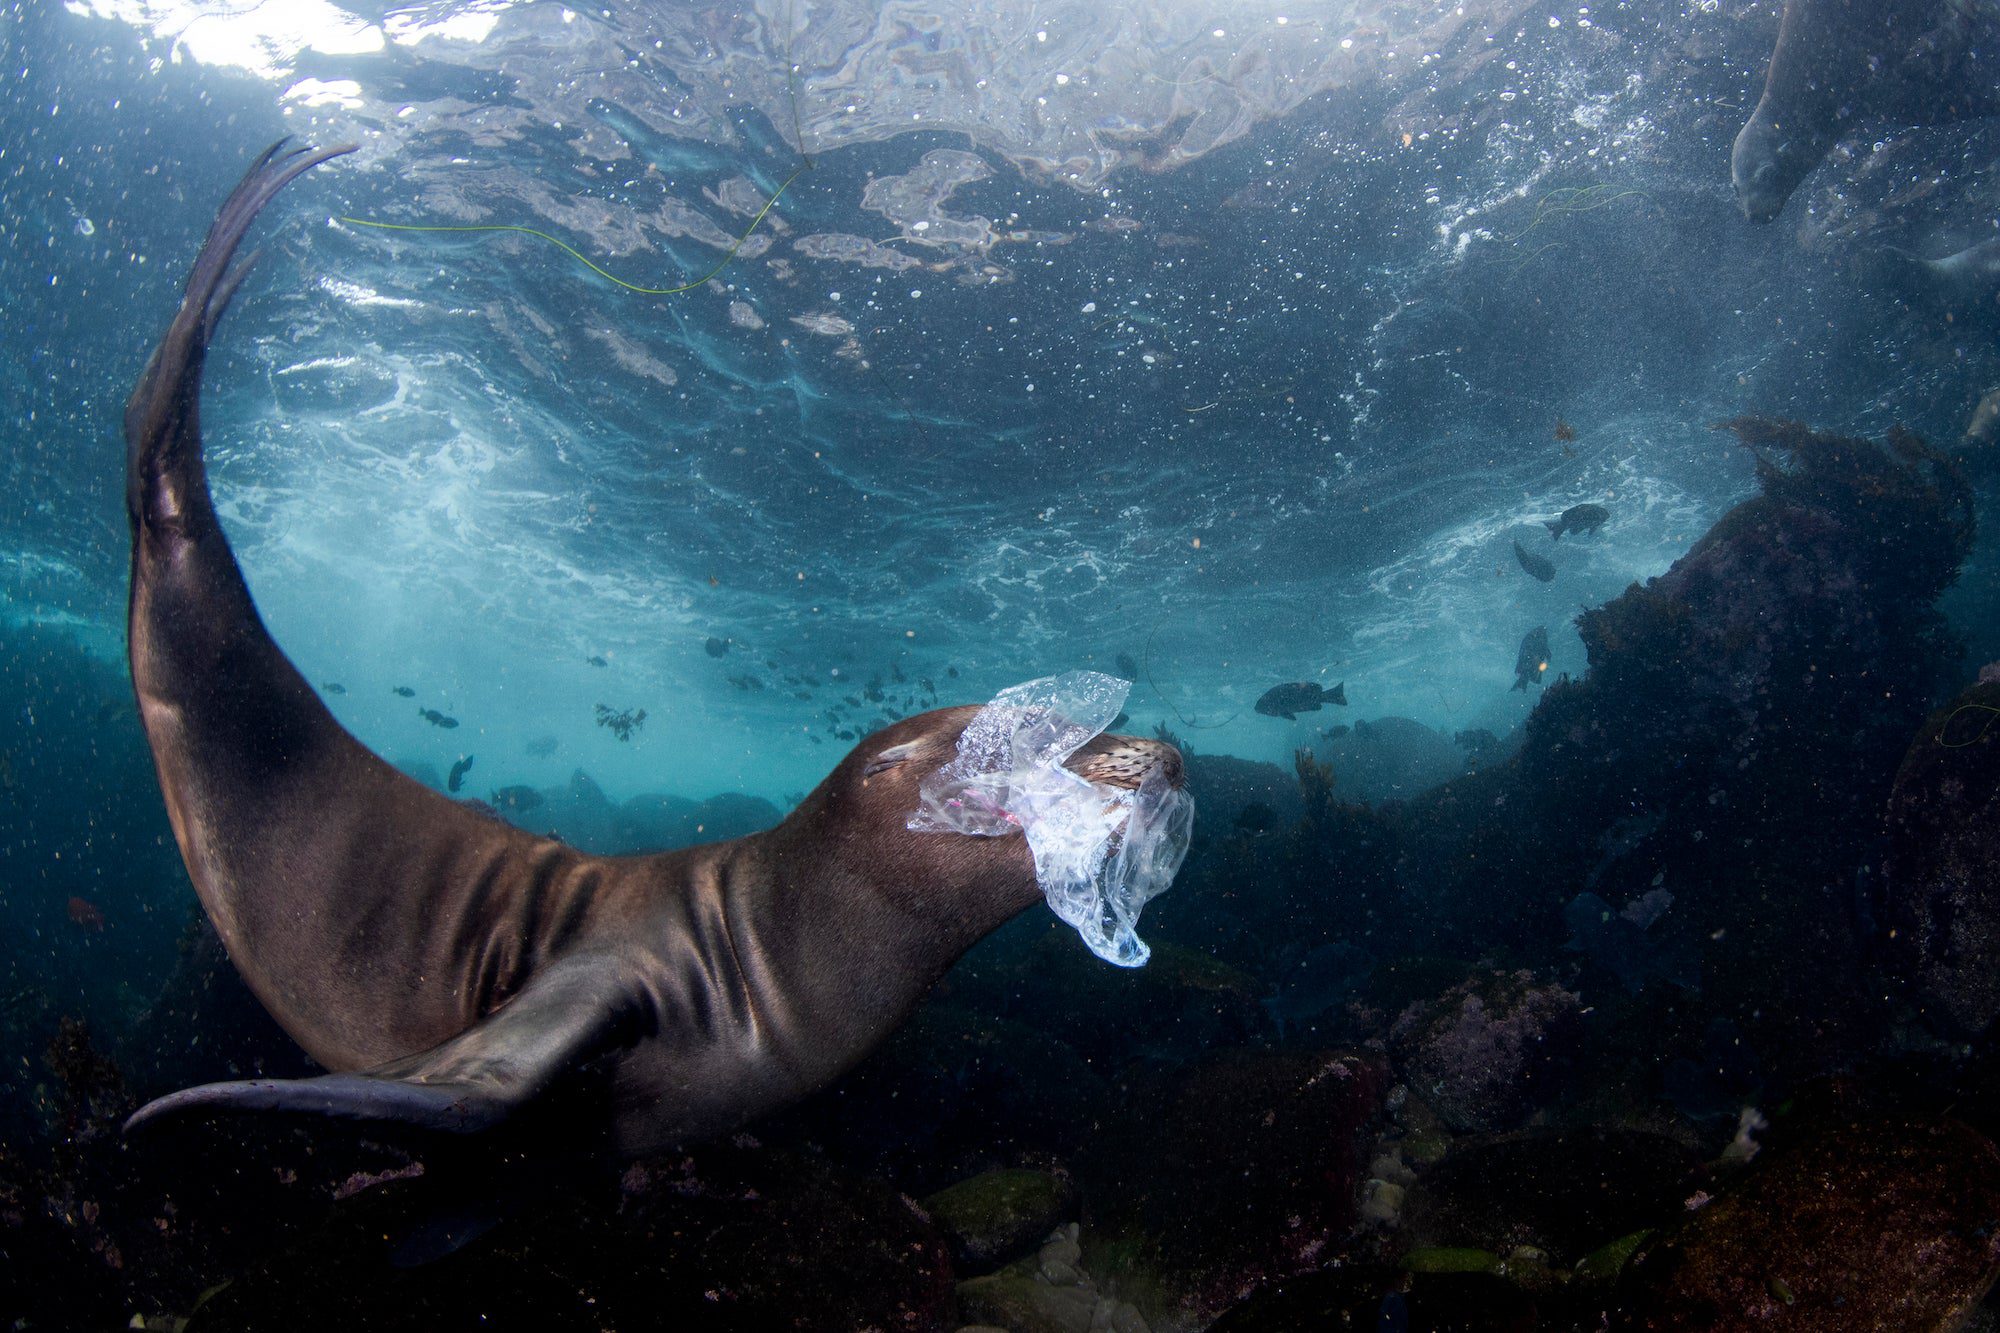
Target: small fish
{"x": 405, "y": 691}
{"x": 541, "y": 747}
{"x": 1564, "y": 431}
{"x": 746, "y": 682}
{"x": 1533, "y": 659}
{"x": 1127, "y": 667}
{"x": 1536, "y": 566}
{"x": 437, "y": 719}
{"x": 1299, "y": 697}
{"x": 1119, "y": 721}
{"x": 1478, "y": 740}
{"x": 597, "y": 660}
{"x": 83, "y": 914}
{"x": 458, "y": 772}
{"x": 951, "y": 671}
{"x": 516, "y": 799}
{"x": 715, "y": 647}
{"x": 334, "y": 687}
{"x": 1334, "y": 733}
{"x": 1580, "y": 519}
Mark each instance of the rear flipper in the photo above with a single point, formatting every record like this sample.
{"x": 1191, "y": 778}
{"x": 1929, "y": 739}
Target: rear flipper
{"x": 162, "y": 430}
{"x": 576, "y": 1009}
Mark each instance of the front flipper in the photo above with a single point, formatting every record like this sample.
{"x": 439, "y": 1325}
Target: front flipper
{"x": 576, "y": 1009}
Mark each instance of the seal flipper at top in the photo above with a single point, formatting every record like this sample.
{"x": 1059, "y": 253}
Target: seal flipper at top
{"x": 162, "y": 418}
{"x": 577, "y": 1009}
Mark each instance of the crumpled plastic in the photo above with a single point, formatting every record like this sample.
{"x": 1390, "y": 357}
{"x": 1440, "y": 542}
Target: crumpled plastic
{"x": 1101, "y": 852}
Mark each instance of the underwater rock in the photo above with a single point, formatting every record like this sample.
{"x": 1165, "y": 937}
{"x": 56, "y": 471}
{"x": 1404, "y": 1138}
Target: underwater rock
{"x": 1741, "y": 722}
{"x": 1382, "y": 1300}
{"x": 953, "y": 1091}
{"x": 1391, "y": 759}
{"x": 1239, "y": 1169}
{"x": 47, "y": 1279}
{"x": 1943, "y": 871}
{"x": 1890, "y": 1223}
{"x": 1226, "y": 785}
{"x": 1048, "y": 1293}
{"x": 1035, "y": 972}
{"x": 732, "y": 1238}
{"x": 1489, "y": 1051}
{"x": 585, "y": 818}
{"x": 1618, "y": 942}
{"x": 1564, "y": 1193}
{"x": 997, "y": 1216}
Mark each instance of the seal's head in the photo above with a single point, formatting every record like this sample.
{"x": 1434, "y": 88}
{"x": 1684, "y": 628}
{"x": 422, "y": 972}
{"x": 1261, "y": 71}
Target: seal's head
{"x": 1768, "y": 163}
{"x": 862, "y": 812}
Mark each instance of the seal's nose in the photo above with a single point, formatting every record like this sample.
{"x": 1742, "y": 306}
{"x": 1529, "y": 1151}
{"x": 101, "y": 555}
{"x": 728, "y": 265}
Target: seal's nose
{"x": 1127, "y": 761}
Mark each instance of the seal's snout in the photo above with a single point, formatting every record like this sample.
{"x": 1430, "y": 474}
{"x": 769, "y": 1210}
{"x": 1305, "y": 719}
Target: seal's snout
{"x": 1127, "y": 761}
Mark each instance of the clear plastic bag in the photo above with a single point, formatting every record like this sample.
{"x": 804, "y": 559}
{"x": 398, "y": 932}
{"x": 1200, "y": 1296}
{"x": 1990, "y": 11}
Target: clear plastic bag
{"x": 1101, "y": 853}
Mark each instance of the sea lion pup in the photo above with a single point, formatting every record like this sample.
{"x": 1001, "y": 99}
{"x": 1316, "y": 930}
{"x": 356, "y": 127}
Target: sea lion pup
{"x": 454, "y": 970}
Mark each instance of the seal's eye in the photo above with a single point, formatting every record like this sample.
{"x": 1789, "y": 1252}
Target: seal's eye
{"x": 891, "y": 757}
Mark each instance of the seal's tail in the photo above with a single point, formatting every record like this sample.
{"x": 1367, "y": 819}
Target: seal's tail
{"x": 163, "y": 469}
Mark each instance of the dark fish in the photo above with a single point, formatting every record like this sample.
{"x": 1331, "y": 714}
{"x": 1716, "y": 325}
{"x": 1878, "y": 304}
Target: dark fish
{"x": 1334, "y": 733}
{"x": 1536, "y": 566}
{"x": 1533, "y": 658}
{"x": 1119, "y": 721}
{"x": 405, "y": 691}
{"x": 951, "y": 671}
{"x": 1580, "y": 519}
{"x": 437, "y": 719}
{"x": 746, "y": 682}
{"x": 1564, "y": 431}
{"x": 83, "y": 914}
{"x": 716, "y": 647}
{"x": 1477, "y": 740}
{"x": 541, "y": 747}
{"x": 516, "y": 798}
{"x": 596, "y": 660}
{"x": 333, "y": 687}
{"x": 458, "y": 772}
{"x": 1127, "y": 667}
{"x": 1299, "y": 697}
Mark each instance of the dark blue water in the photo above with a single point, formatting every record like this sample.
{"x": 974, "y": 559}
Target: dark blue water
{"x": 1245, "y": 346}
